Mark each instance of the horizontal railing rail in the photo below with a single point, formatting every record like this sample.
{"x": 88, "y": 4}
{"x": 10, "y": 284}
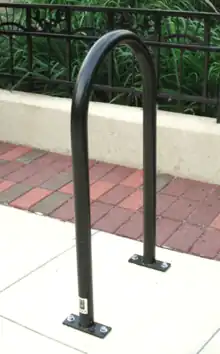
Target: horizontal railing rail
{"x": 43, "y": 46}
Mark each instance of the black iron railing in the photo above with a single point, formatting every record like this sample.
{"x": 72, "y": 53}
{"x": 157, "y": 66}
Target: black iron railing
{"x": 43, "y": 46}
{"x": 79, "y": 120}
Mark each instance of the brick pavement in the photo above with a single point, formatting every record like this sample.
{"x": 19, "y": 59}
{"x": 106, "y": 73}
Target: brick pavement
{"x": 188, "y": 212}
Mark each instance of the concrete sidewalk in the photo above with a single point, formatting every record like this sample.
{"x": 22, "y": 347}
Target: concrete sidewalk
{"x": 151, "y": 312}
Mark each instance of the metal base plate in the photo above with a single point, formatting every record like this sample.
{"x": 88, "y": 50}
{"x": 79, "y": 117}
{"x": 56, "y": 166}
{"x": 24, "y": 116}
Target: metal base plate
{"x": 157, "y": 265}
{"x": 96, "y": 330}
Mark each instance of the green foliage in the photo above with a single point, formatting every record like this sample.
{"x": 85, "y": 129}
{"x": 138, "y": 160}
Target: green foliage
{"x": 180, "y": 71}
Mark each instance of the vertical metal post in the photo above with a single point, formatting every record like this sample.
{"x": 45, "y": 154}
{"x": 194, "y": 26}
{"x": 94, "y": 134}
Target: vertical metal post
{"x": 79, "y": 139}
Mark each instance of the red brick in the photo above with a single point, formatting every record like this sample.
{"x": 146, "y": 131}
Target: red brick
{"x": 184, "y": 238}
{"x": 66, "y": 211}
{"x": 99, "y": 170}
{"x": 99, "y": 188}
{"x": 61, "y": 164}
{"x": 163, "y": 202}
{"x": 215, "y": 223}
{"x": 116, "y": 194}
{"x": 177, "y": 187}
{"x": 30, "y": 198}
{"x": 15, "y": 153}
{"x": 205, "y": 213}
{"x": 199, "y": 191}
{"x": 117, "y": 174}
{"x": 5, "y": 185}
{"x": 214, "y": 196}
{"x": 180, "y": 209}
{"x": 92, "y": 163}
{"x": 5, "y": 147}
{"x": 68, "y": 188}
{"x": 208, "y": 245}
{"x": 45, "y": 174}
{"x": 134, "y": 201}
{"x": 38, "y": 178}
{"x": 113, "y": 220}
{"x": 165, "y": 229}
{"x": 98, "y": 210}
{"x": 6, "y": 169}
{"x": 133, "y": 228}
{"x": 135, "y": 180}
{"x": 45, "y": 160}
{"x": 65, "y": 159}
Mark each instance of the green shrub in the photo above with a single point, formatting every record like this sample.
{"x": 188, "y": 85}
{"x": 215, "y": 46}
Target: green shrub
{"x": 180, "y": 72}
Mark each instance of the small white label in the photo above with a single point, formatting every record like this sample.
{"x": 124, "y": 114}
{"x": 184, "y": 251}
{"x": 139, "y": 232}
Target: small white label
{"x": 83, "y": 306}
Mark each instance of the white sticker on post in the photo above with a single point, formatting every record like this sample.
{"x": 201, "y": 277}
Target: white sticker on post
{"x": 83, "y": 306}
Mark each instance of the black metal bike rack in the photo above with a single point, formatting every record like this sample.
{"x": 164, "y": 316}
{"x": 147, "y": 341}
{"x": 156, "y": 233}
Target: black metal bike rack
{"x": 79, "y": 139}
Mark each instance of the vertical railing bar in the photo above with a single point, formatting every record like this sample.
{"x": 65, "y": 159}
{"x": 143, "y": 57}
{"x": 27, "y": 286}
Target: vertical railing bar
{"x": 157, "y": 54}
{"x": 206, "y": 63}
{"x": 110, "y": 64}
{"x": 180, "y": 69}
{"x": 11, "y": 60}
{"x": 30, "y": 49}
{"x": 68, "y": 14}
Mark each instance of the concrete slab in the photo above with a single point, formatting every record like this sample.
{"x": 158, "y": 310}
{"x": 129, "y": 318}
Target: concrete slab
{"x": 27, "y": 241}
{"x": 149, "y": 311}
{"x": 15, "y": 337}
{"x": 213, "y": 344}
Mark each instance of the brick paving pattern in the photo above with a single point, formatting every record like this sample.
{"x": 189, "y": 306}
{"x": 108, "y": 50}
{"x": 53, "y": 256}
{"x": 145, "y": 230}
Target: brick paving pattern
{"x": 188, "y": 212}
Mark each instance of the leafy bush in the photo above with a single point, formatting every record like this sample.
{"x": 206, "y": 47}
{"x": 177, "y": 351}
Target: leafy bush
{"x": 179, "y": 71}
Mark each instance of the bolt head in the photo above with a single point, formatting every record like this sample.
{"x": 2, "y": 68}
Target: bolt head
{"x": 103, "y": 329}
{"x": 134, "y": 257}
{"x": 71, "y": 318}
{"x": 164, "y": 265}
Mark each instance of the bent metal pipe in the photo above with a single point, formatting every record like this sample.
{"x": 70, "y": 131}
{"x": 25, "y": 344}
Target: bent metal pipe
{"x": 79, "y": 140}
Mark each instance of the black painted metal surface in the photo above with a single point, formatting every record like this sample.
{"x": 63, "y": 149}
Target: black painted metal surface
{"x": 79, "y": 140}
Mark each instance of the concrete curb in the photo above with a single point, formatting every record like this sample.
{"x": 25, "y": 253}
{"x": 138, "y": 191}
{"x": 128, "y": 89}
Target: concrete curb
{"x": 187, "y": 146}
